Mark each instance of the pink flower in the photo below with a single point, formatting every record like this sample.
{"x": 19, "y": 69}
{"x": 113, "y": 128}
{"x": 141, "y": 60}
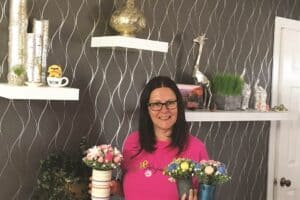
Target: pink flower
{"x": 117, "y": 159}
{"x": 109, "y": 157}
{"x": 100, "y": 159}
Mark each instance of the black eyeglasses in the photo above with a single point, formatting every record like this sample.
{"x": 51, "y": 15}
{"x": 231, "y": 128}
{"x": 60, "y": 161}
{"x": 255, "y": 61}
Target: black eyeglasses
{"x": 157, "y": 106}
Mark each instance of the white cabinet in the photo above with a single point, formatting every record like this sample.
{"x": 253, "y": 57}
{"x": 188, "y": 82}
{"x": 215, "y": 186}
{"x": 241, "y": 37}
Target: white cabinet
{"x": 38, "y": 93}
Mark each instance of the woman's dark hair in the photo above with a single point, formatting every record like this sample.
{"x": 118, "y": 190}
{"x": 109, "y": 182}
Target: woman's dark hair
{"x": 179, "y": 134}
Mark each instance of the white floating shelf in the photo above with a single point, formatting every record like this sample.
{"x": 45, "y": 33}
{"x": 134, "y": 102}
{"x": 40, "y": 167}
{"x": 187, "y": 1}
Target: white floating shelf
{"x": 129, "y": 42}
{"x": 249, "y": 115}
{"x": 38, "y": 93}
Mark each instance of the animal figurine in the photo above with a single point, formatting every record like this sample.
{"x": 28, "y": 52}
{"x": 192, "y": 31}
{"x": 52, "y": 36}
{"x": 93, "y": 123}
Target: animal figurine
{"x": 199, "y": 77}
{"x": 55, "y": 71}
{"x": 260, "y": 98}
{"x": 246, "y": 92}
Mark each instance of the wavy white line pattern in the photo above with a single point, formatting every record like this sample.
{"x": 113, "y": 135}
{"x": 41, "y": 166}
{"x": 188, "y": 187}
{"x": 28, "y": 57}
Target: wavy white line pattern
{"x": 240, "y": 34}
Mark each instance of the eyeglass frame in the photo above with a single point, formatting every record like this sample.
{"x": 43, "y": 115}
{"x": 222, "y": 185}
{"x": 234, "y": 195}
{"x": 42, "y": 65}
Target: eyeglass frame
{"x": 166, "y": 104}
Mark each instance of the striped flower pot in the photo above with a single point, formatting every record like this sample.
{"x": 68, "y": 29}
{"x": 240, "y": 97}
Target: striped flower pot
{"x": 100, "y": 184}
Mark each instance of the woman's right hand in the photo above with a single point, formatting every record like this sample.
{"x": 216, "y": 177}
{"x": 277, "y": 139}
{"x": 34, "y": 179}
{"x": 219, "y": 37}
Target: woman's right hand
{"x": 192, "y": 195}
{"x": 116, "y": 188}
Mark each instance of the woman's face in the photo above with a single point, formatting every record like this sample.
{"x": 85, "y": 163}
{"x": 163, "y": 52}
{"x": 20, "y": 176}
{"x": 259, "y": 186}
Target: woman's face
{"x": 163, "y": 115}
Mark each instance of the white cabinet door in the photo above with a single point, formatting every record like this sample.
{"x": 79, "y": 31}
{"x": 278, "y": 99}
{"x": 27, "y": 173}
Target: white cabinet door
{"x": 286, "y": 90}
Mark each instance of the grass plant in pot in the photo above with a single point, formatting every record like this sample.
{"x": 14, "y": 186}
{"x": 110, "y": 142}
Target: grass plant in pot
{"x": 16, "y": 75}
{"x": 227, "y": 90}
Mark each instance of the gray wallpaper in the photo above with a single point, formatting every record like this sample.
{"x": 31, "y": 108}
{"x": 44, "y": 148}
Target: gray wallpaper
{"x": 239, "y": 32}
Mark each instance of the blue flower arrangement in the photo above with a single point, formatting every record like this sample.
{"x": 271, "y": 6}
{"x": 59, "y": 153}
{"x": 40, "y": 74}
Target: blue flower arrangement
{"x": 211, "y": 172}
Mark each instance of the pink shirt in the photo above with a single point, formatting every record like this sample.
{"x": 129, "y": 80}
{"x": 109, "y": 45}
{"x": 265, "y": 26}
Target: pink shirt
{"x": 143, "y": 177}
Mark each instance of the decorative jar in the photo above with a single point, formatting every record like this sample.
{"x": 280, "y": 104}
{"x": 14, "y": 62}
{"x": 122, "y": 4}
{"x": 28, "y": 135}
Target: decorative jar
{"x": 128, "y": 20}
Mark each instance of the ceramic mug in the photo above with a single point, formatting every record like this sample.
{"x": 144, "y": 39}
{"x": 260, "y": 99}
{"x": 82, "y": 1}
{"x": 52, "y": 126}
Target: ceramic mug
{"x": 57, "y": 82}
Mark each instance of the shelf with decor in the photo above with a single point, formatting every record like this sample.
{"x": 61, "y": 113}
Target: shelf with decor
{"x": 239, "y": 115}
{"x": 38, "y": 93}
{"x": 129, "y": 42}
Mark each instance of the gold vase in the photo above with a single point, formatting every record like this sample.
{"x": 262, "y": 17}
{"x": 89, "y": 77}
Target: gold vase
{"x": 128, "y": 20}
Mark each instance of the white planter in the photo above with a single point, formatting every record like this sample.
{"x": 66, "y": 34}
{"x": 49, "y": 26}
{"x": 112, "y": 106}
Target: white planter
{"x": 100, "y": 184}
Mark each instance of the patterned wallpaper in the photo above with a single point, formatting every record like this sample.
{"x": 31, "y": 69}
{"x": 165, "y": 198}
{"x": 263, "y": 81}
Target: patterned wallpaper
{"x": 239, "y": 32}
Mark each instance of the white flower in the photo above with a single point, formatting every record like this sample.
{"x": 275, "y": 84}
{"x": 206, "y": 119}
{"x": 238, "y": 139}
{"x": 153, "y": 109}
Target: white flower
{"x": 93, "y": 152}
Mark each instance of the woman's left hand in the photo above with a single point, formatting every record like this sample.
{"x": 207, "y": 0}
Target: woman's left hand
{"x": 192, "y": 195}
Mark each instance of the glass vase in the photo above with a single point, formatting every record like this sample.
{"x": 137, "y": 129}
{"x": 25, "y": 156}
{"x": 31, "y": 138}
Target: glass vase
{"x": 183, "y": 186}
{"x": 206, "y": 192}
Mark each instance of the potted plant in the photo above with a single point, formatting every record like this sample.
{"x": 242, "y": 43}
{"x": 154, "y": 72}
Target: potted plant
{"x": 181, "y": 171}
{"x": 227, "y": 90}
{"x": 16, "y": 75}
{"x": 63, "y": 177}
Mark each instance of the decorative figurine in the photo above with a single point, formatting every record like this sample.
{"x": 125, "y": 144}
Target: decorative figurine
{"x": 245, "y": 93}
{"x": 260, "y": 98}
{"x": 55, "y": 78}
{"x": 199, "y": 77}
{"x": 55, "y": 71}
{"x": 279, "y": 108}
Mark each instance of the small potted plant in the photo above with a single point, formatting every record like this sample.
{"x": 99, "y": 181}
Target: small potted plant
{"x": 16, "y": 75}
{"x": 181, "y": 171}
{"x": 102, "y": 159}
{"x": 227, "y": 91}
{"x": 210, "y": 173}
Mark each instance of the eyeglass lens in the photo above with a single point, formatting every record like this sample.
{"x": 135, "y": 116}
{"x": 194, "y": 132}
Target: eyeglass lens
{"x": 156, "y": 106}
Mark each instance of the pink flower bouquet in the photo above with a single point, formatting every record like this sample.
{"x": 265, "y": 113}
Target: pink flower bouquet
{"x": 103, "y": 157}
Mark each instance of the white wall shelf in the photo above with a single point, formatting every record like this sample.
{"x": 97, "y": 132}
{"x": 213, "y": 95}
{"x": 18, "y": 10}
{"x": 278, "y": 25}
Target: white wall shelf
{"x": 129, "y": 42}
{"x": 38, "y": 93}
{"x": 249, "y": 115}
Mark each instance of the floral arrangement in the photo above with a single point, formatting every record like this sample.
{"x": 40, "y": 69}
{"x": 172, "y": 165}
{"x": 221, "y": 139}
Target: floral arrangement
{"x": 180, "y": 168}
{"x": 103, "y": 157}
{"x": 211, "y": 172}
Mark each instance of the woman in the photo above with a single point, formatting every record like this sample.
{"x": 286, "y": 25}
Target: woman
{"x": 162, "y": 136}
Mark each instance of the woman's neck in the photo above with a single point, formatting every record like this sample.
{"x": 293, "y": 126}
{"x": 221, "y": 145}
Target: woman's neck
{"x": 163, "y": 135}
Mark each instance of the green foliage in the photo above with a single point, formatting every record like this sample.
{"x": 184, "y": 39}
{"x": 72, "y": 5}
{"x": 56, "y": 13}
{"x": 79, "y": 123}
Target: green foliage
{"x": 18, "y": 70}
{"x": 58, "y": 174}
{"x": 227, "y": 85}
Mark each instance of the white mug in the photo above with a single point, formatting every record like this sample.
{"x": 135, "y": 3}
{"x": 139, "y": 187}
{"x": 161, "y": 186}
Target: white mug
{"x": 57, "y": 82}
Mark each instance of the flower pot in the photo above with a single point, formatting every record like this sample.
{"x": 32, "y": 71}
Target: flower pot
{"x": 183, "y": 186}
{"x": 100, "y": 184}
{"x": 206, "y": 192}
{"x": 228, "y": 102}
{"x": 14, "y": 79}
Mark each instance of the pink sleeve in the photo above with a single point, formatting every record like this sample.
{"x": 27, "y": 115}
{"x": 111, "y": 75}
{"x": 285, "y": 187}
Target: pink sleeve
{"x": 130, "y": 148}
{"x": 203, "y": 153}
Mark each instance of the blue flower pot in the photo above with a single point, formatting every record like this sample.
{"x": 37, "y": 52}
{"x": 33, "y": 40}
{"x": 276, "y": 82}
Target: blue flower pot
{"x": 206, "y": 192}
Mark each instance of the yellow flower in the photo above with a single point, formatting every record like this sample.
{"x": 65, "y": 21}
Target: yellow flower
{"x": 184, "y": 166}
{"x": 209, "y": 170}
